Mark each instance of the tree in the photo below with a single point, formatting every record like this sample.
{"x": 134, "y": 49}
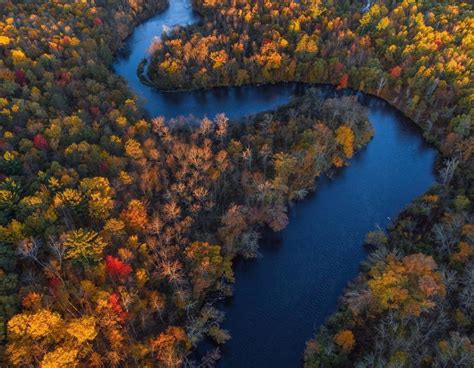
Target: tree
{"x": 82, "y": 329}
{"x": 410, "y": 285}
{"x": 44, "y": 337}
{"x": 4, "y": 41}
{"x": 99, "y": 197}
{"x": 60, "y": 357}
{"x": 343, "y": 81}
{"x": 169, "y": 347}
{"x": 396, "y": 71}
{"x": 117, "y": 269}
{"x": 345, "y": 340}
{"x": 207, "y": 265}
{"x": 83, "y": 246}
{"x": 40, "y": 142}
{"x": 345, "y": 137}
{"x": 135, "y": 215}
{"x": 376, "y": 238}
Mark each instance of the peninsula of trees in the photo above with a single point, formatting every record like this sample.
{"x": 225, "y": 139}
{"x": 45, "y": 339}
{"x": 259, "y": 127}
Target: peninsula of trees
{"x": 413, "y": 303}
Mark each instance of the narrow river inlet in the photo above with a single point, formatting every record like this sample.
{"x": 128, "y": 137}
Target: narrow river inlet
{"x": 280, "y": 298}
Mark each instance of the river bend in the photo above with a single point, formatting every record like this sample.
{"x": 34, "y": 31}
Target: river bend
{"x": 280, "y": 298}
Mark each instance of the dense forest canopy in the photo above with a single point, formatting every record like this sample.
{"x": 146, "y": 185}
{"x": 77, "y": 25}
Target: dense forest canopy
{"x": 117, "y": 231}
{"x": 417, "y": 54}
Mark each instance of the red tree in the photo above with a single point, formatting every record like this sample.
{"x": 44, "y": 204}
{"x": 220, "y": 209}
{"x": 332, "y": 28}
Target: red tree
{"x": 396, "y": 71}
{"x": 103, "y": 167}
{"x": 20, "y": 77}
{"x": 343, "y": 81}
{"x": 114, "y": 304}
{"x": 63, "y": 78}
{"x": 116, "y": 268}
{"x": 94, "y": 111}
{"x": 40, "y": 142}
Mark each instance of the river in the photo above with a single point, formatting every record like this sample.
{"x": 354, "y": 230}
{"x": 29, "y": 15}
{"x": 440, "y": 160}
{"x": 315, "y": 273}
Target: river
{"x": 282, "y": 297}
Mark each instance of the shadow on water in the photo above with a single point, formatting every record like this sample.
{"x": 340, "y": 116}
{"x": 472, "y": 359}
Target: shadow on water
{"x": 280, "y": 298}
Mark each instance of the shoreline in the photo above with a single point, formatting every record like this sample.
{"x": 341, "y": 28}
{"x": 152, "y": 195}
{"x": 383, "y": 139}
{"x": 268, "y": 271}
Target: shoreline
{"x": 141, "y": 68}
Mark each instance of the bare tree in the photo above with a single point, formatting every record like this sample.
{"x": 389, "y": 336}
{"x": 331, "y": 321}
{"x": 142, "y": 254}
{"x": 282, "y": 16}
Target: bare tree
{"x": 456, "y": 354}
{"x": 249, "y": 244}
{"x": 447, "y": 172}
{"x": 29, "y": 248}
{"x": 57, "y": 249}
{"x": 446, "y": 237}
{"x": 466, "y": 295}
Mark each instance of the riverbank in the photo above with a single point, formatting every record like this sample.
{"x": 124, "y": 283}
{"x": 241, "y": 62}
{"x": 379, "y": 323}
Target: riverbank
{"x": 283, "y": 296}
{"x": 297, "y": 55}
{"x": 124, "y": 17}
{"x": 114, "y": 227}
{"x": 230, "y": 351}
{"x": 437, "y": 129}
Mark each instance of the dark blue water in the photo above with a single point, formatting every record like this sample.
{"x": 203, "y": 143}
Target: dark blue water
{"x": 235, "y": 102}
{"x": 281, "y": 298}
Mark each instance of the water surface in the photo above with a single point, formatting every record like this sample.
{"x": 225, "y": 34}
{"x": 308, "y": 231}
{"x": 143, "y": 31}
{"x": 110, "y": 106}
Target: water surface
{"x": 235, "y": 102}
{"x": 281, "y": 298}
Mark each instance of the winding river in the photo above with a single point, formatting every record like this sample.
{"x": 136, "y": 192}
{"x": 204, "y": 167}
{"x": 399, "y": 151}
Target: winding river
{"x": 280, "y": 298}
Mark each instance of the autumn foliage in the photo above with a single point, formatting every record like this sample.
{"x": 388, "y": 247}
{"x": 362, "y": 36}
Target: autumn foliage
{"x": 345, "y": 137}
{"x": 116, "y": 307}
{"x": 116, "y": 268}
{"x": 345, "y": 340}
{"x": 169, "y": 346}
{"x": 115, "y": 229}
{"x": 396, "y": 71}
{"x": 40, "y": 142}
{"x": 344, "y": 81}
{"x": 409, "y": 285}
{"x": 135, "y": 216}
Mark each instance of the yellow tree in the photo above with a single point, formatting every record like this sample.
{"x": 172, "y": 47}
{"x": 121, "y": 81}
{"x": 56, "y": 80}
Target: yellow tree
{"x": 83, "y": 245}
{"x": 43, "y": 338}
{"x": 99, "y": 197}
{"x": 409, "y": 285}
{"x": 345, "y": 137}
{"x": 345, "y": 340}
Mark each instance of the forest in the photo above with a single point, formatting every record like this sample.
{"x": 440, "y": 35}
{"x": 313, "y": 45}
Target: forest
{"x": 412, "y": 304}
{"x": 118, "y": 231}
